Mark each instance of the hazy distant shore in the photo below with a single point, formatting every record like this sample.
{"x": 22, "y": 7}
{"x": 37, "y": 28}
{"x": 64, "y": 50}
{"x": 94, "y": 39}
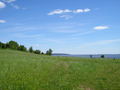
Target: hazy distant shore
{"x": 116, "y": 56}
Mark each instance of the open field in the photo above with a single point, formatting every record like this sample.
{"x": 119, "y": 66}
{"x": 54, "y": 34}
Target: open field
{"x": 26, "y": 71}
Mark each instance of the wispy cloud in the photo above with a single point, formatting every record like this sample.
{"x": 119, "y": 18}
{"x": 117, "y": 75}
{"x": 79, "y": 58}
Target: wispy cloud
{"x": 64, "y": 31}
{"x": 12, "y": 4}
{"x": 20, "y": 35}
{"x": 101, "y": 27}
{"x": 83, "y": 33}
{"x": 2, "y": 5}
{"x": 59, "y": 11}
{"x": 64, "y": 11}
{"x": 66, "y": 16}
{"x": 15, "y": 6}
{"x": 62, "y": 27}
{"x": 2, "y": 21}
{"x": 102, "y": 42}
{"x": 9, "y": 1}
{"x": 81, "y": 10}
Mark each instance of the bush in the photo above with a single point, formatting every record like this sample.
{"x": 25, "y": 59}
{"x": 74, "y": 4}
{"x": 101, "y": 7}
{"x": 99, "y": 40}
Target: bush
{"x": 22, "y": 48}
{"x": 42, "y": 53}
{"x": 37, "y": 51}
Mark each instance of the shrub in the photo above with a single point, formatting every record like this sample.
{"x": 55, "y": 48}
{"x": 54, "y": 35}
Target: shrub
{"x": 37, "y": 51}
{"x": 22, "y": 48}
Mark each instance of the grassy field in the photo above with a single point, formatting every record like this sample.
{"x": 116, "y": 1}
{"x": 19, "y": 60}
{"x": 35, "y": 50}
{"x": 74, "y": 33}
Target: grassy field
{"x": 25, "y": 71}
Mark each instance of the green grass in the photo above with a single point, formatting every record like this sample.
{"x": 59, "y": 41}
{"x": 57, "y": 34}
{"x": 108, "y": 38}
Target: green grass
{"x": 25, "y": 71}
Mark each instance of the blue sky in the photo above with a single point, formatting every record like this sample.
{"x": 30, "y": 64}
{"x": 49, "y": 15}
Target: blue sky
{"x": 66, "y": 26}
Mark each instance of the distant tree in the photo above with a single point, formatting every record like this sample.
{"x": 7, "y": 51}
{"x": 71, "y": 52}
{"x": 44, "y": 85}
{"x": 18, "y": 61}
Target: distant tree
{"x": 102, "y": 56}
{"x": 37, "y": 52}
{"x": 22, "y": 48}
{"x": 49, "y": 52}
{"x": 30, "y": 49}
{"x": 7, "y": 45}
{"x": 1, "y": 44}
{"x": 13, "y": 45}
{"x": 4, "y": 46}
{"x": 42, "y": 53}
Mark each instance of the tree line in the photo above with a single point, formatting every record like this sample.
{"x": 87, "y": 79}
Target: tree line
{"x": 15, "y": 46}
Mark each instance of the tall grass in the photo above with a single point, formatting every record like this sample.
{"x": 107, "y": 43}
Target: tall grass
{"x": 26, "y": 71}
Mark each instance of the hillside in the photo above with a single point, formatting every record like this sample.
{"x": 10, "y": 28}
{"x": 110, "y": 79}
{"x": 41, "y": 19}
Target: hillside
{"x": 26, "y": 71}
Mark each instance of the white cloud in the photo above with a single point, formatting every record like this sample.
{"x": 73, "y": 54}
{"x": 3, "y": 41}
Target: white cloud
{"x": 63, "y": 11}
{"x": 81, "y": 10}
{"x": 9, "y": 1}
{"x": 67, "y": 11}
{"x": 59, "y": 11}
{"x": 2, "y": 5}
{"x": 78, "y": 11}
{"x": 2, "y": 21}
{"x": 87, "y": 10}
{"x": 101, "y": 27}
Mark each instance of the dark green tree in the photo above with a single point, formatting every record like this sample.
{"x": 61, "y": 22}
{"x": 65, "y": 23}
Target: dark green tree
{"x": 30, "y": 49}
{"x": 2, "y": 45}
{"x": 7, "y": 45}
{"x": 22, "y": 48}
{"x": 49, "y": 52}
{"x": 13, "y": 45}
{"x": 37, "y": 51}
{"x": 42, "y": 53}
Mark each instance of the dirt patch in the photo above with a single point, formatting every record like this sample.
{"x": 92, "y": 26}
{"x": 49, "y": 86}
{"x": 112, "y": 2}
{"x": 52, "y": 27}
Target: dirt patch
{"x": 63, "y": 65}
{"x": 83, "y": 88}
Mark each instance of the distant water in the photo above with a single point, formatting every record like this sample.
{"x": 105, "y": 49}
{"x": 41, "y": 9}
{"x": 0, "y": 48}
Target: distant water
{"x": 114, "y": 56}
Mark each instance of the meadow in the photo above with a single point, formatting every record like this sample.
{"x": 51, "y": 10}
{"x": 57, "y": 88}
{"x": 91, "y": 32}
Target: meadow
{"x": 26, "y": 71}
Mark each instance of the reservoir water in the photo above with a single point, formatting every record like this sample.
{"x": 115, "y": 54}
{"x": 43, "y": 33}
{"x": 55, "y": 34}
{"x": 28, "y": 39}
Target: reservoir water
{"x": 114, "y": 56}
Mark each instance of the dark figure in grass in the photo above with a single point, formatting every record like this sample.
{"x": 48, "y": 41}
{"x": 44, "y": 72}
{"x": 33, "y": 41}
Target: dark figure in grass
{"x": 102, "y": 56}
{"x": 91, "y": 56}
